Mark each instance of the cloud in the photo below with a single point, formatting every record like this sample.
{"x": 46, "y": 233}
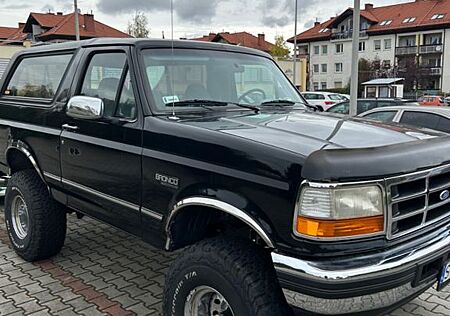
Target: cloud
{"x": 187, "y": 10}
{"x": 48, "y": 8}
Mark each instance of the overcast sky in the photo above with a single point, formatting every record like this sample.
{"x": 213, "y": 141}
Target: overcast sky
{"x": 193, "y": 17}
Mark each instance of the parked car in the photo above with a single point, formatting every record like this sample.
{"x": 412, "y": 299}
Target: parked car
{"x": 368, "y": 104}
{"x": 323, "y": 99}
{"x": 437, "y": 118}
{"x": 267, "y": 202}
{"x": 431, "y": 101}
{"x": 345, "y": 97}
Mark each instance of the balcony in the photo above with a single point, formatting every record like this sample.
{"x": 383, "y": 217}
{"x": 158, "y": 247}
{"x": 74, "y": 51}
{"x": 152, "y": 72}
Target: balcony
{"x": 347, "y": 35}
{"x": 406, "y": 50}
{"x": 431, "y": 49}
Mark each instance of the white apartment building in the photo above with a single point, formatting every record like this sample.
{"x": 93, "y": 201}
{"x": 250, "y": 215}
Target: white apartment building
{"x": 392, "y": 36}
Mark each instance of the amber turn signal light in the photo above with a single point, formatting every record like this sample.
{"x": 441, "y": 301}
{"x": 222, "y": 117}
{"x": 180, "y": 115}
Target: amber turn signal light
{"x": 340, "y": 228}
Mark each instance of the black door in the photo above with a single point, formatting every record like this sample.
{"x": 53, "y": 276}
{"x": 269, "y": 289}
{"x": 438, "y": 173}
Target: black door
{"x": 101, "y": 159}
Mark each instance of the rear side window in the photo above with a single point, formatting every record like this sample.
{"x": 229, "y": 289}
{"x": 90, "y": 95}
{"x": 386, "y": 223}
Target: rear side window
{"x": 38, "y": 77}
{"x": 419, "y": 119}
{"x": 335, "y": 97}
{"x": 342, "y": 108}
{"x": 385, "y": 116}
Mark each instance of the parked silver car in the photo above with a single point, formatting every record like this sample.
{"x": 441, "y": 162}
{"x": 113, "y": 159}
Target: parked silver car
{"x": 432, "y": 117}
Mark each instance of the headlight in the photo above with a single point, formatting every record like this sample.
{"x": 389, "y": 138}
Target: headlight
{"x": 338, "y": 212}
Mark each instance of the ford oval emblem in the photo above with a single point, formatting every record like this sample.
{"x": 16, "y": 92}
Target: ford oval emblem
{"x": 444, "y": 195}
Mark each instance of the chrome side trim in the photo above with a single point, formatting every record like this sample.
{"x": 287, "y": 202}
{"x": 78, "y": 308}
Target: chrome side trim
{"x": 52, "y": 176}
{"x": 318, "y": 269}
{"x": 112, "y": 199}
{"x": 221, "y": 206}
{"x": 151, "y": 213}
{"x": 22, "y": 147}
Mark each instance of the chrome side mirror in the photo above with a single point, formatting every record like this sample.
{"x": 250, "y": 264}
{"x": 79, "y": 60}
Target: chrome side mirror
{"x": 86, "y": 108}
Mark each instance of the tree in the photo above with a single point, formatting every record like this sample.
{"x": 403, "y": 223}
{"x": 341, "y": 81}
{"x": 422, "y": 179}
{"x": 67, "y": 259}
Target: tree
{"x": 280, "y": 49}
{"x": 138, "y": 25}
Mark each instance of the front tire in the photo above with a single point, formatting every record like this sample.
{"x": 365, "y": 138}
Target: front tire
{"x": 36, "y": 223}
{"x": 229, "y": 277}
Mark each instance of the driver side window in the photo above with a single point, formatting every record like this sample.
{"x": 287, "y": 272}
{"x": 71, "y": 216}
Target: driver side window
{"x": 108, "y": 78}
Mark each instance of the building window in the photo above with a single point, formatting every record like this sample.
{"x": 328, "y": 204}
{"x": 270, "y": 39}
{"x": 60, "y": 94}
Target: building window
{"x": 409, "y": 20}
{"x": 338, "y": 84}
{"x": 316, "y": 86}
{"x": 316, "y": 50}
{"x": 324, "y": 68}
{"x": 362, "y": 46}
{"x": 338, "y": 67}
{"x": 339, "y": 48}
{"x": 377, "y": 44}
{"x": 316, "y": 68}
{"x": 371, "y": 92}
{"x": 387, "y": 43}
{"x": 438, "y": 16}
{"x": 324, "y": 49}
{"x": 323, "y": 86}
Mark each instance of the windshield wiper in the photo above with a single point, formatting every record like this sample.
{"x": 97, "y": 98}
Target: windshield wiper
{"x": 278, "y": 103}
{"x": 211, "y": 103}
{"x": 198, "y": 102}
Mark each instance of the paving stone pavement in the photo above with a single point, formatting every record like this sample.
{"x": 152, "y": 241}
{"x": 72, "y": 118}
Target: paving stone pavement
{"x": 104, "y": 271}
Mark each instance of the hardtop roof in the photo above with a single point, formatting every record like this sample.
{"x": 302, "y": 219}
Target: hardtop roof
{"x": 141, "y": 43}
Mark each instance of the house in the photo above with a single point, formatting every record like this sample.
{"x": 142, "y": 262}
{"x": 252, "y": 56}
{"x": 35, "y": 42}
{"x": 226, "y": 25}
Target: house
{"x": 384, "y": 88}
{"x": 241, "y": 38}
{"x": 400, "y": 39}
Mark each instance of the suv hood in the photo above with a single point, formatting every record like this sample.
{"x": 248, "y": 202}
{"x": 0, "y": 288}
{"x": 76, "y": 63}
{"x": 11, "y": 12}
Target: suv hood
{"x": 305, "y": 132}
{"x": 334, "y": 148}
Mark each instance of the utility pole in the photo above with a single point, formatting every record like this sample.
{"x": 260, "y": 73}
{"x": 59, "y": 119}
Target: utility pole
{"x": 355, "y": 59}
{"x": 77, "y": 22}
{"x": 295, "y": 44}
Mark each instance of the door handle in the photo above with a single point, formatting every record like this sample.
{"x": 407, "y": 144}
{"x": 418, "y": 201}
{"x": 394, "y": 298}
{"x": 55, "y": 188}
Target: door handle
{"x": 69, "y": 127}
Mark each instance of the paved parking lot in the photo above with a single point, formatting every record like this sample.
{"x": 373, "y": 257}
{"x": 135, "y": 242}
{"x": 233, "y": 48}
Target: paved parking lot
{"x": 103, "y": 271}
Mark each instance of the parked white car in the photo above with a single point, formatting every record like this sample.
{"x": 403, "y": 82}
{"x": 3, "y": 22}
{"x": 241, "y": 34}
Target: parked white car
{"x": 323, "y": 99}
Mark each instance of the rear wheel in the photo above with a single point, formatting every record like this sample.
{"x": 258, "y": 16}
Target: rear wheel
{"x": 229, "y": 277}
{"x": 36, "y": 223}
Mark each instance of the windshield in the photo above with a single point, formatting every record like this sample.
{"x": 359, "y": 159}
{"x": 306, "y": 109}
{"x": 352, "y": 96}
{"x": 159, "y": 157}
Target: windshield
{"x": 234, "y": 78}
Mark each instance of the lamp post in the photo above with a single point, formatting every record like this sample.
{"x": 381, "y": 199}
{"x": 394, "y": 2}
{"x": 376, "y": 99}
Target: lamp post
{"x": 355, "y": 59}
{"x": 77, "y": 22}
{"x": 295, "y": 44}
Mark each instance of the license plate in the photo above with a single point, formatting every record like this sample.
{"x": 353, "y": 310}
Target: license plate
{"x": 444, "y": 278}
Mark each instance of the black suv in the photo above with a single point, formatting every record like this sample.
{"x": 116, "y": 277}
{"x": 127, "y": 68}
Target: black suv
{"x": 210, "y": 148}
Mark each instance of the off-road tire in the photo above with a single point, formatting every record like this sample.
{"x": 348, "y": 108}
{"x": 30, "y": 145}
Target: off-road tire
{"x": 47, "y": 218}
{"x": 237, "y": 269}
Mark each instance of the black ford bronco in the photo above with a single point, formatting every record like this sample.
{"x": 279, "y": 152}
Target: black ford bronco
{"x": 210, "y": 149}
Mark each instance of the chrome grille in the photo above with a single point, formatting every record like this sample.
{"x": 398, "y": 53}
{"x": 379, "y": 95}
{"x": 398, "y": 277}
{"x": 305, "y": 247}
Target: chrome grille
{"x": 417, "y": 200}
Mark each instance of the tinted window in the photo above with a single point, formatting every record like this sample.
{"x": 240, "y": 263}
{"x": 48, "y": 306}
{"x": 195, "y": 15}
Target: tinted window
{"x": 364, "y": 106}
{"x": 385, "y": 116}
{"x": 38, "y": 77}
{"x": 341, "y": 108}
{"x": 104, "y": 76}
{"x": 443, "y": 125}
{"x": 420, "y": 119}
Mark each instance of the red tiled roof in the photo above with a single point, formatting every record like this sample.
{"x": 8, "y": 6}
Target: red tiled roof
{"x": 241, "y": 38}
{"x": 422, "y": 10}
{"x": 65, "y": 27}
{"x": 6, "y": 32}
{"x": 47, "y": 20}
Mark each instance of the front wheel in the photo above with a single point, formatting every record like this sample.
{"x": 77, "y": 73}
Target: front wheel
{"x": 229, "y": 277}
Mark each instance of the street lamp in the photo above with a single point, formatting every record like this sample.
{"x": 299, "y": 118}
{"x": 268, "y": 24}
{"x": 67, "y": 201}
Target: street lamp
{"x": 355, "y": 59}
{"x": 295, "y": 43}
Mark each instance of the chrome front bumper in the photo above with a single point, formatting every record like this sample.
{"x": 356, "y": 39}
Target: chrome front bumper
{"x": 331, "y": 277}
{"x": 3, "y": 183}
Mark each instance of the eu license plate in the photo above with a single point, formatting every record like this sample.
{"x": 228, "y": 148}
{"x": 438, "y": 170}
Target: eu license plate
{"x": 444, "y": 278}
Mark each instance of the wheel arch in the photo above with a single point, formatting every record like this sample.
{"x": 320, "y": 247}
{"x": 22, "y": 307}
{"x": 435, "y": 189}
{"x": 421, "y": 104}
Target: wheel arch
{"x": 19, "y": 157}
{"x": 220, "y": 207}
